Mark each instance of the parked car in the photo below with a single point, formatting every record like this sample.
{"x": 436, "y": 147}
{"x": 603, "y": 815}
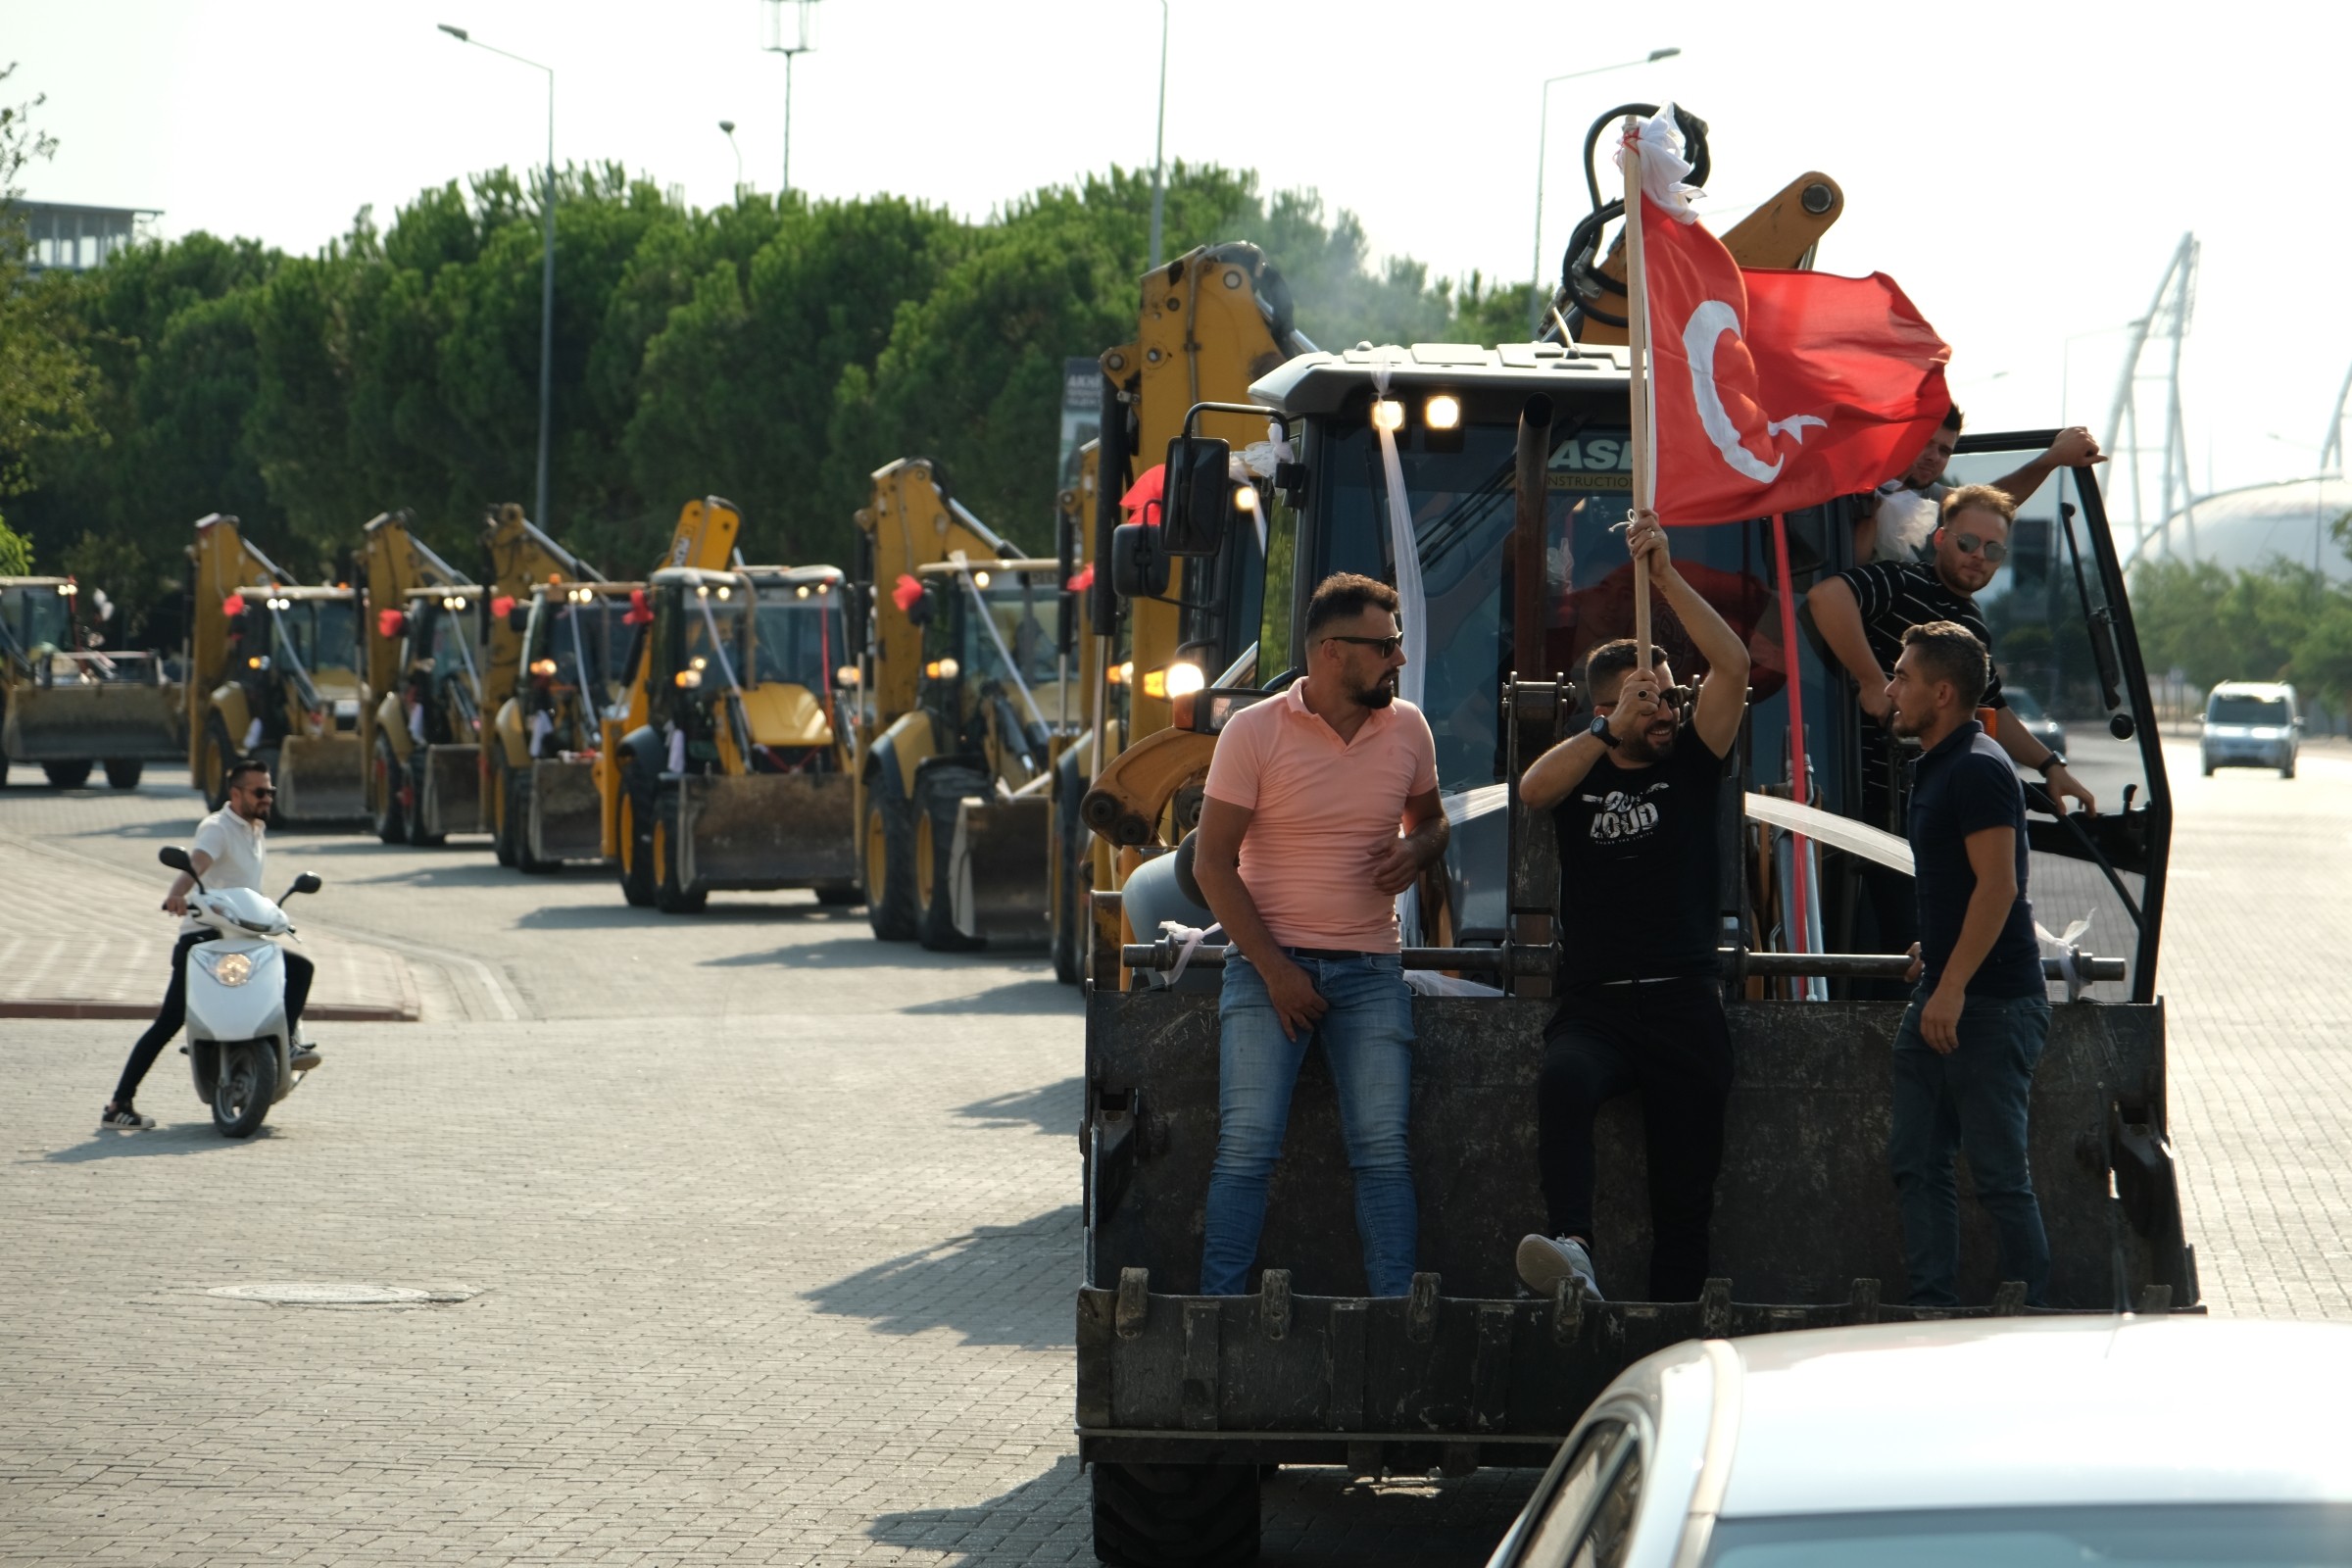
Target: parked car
{"x": 2139, "y": 1441}
{"x": 2251, "y": 723}
{"x": 2038, "y": 724}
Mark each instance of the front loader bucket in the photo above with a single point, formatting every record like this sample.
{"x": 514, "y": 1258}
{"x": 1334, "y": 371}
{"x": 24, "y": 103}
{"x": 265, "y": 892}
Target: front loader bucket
{"x": 452, "y": 801}
{"x": 95, "y": 721}
{"x": 1805, "y": 1223}
{"x": 766, "y": 830}
{"x": 321, "y": 779}
{"x": 1001, "y": 859}
{"x": 566, "y": 821}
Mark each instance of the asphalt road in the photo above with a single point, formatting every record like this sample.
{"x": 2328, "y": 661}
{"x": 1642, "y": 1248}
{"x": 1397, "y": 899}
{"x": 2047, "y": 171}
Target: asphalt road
{"x": 745, "y": 1239}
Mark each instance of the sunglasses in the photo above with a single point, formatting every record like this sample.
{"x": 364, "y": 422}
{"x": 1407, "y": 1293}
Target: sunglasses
{"x": 1668, "y": 697}
{"x": 1383, "y": 646}
{"x": 262, "y": 795}
{"x": 1993, "y": 550}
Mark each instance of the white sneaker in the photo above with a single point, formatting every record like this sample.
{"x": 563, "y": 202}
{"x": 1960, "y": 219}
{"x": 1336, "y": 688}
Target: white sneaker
{"x": 1546, "y": 1260}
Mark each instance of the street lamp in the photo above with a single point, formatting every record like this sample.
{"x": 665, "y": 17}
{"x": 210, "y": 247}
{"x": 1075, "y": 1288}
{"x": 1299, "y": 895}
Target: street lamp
{"x": 1159, "y": 141}
{"x": 1542, "y": 147}
{"x": 547, "y": 275}
{"x": 790, "y": 37}
{"x": 728, "y": 126}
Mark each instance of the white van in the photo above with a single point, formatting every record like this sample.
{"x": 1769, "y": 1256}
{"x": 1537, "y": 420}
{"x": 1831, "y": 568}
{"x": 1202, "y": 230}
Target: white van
{"x": 2251, "y": 723}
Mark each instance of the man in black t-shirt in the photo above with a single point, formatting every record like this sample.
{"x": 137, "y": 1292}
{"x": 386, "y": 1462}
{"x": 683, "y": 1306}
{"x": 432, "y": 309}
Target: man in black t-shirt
{"x": 1637, "y": 799}
{"x": 1965, "y": 1054}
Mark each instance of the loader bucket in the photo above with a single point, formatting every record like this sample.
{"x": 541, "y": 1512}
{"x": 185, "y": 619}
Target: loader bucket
{"x": 766, "y": 830}
{"x": 88, "y": 721}
{"x": 321, "y": 779}
{"x": 452, "y": 801}
{"x": 1000, "y": 858}
{"x": 1804, "y": 1208}
{"x": 567, "y": 820}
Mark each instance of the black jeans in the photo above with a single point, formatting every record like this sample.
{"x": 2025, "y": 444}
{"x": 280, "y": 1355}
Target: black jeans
{"x": 1667, "y": 1041}
{"x": 175, "y": 1011}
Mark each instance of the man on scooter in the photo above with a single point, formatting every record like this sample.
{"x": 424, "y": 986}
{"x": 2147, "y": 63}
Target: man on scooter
{"x": 228, "y": 851}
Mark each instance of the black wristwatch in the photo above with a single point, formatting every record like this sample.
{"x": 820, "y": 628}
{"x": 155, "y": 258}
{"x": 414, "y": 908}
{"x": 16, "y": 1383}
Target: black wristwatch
{"x": 1601, "y": 732}
{"x": 2056, "y": 758}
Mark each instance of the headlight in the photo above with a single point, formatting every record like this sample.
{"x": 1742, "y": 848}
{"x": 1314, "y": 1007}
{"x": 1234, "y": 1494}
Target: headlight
{"x": 1184, "y": 677}
{"x": 688, "y": 679}
{"x": 231, "y": 968}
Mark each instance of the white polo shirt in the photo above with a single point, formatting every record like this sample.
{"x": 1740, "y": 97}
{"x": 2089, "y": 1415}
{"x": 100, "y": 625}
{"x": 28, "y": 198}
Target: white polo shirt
{"x": 237, "y": 853}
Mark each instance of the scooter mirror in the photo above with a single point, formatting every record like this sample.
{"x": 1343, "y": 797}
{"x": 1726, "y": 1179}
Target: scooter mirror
{"x": 307, "y": 882}
{"x": 172, "y": 855}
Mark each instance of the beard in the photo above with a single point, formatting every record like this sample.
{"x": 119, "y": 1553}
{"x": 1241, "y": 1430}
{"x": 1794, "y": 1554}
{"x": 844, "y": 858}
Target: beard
{"x": 1380, "y": 694}
{"x": 1641, "y": 749}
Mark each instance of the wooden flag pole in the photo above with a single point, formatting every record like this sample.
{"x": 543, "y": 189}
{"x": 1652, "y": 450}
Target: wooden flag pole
{"x": 1637, "y": 336}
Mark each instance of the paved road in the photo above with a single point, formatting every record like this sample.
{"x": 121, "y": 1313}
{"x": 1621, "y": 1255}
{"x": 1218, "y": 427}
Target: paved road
{"x": 748, "y": 1241}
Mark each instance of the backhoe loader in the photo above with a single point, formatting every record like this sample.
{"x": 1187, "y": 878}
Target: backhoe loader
{"x": 704, "y": 540}
{"x": 579, "y": 645}
{"x": 523, "y": 560}
{"x": 737, "y": 779}
{"x": 399, "y": 567}
{"x": 1515, "y": 469}
{"x": 69, "y": 704}
{"x": 272, "y": 673}
{"x": 970, "y": 697}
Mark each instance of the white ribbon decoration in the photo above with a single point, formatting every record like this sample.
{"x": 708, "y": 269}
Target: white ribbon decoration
{"x": 1190, "y": 939}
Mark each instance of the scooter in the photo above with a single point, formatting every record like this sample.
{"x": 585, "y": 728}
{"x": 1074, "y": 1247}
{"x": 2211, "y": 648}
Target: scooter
{"x": 239, "y": 1048}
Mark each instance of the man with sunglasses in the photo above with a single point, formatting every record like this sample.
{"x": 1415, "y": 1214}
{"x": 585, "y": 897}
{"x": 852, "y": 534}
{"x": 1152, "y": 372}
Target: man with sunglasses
{"x": 227, "y": 852}
{"x": 1321, "y": 806}
{"x": 1863, "y": 615}
{"x": 1637, "y": 800}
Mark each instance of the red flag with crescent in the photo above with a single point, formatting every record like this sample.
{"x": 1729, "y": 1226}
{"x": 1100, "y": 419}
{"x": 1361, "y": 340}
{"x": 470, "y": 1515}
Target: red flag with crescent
{"x": 1771, "y": 391}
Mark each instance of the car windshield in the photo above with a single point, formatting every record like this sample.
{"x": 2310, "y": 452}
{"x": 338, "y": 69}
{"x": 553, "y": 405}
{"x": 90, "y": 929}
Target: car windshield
{"x": 322, "y": 633}
{"x": 2248, "y": 711}
{"x": 37, "y": 616}
{"x": 803, "y": 636}
{"x": 2142, "y": 1536}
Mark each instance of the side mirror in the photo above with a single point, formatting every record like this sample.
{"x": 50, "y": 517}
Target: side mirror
{"x": 518, "y": 617}
{"x": 1140, "y": 567}
{"x": 1199, "y": 503}
{"x": 923, "y": 606}
{"x": 172, "y": 855}
{"x": 307, "y": 882}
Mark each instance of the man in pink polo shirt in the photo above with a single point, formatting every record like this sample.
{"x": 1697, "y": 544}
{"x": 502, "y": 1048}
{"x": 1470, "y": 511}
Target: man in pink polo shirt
{"x": 1322, "y": 806}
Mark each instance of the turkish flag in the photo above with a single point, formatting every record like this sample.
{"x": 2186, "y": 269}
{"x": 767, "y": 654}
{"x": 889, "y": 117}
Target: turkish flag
{"x": 1771, "y": 391}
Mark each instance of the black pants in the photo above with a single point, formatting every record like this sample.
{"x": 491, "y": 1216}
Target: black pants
{"x": 175, "y": 1011}
{"x": 1668, "y": 1041}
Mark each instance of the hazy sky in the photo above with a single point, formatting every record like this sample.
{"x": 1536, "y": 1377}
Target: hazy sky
{"x": 2023, "y": 170}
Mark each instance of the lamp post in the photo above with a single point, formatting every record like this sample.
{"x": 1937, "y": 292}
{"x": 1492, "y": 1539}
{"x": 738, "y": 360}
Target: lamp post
{"x": 728, "y": 126}
{"x": 799, "y": 38}
{"x": 1535, "y": 285}
{"x": 547, "y": 276}
{"x": 1159, "y": 140}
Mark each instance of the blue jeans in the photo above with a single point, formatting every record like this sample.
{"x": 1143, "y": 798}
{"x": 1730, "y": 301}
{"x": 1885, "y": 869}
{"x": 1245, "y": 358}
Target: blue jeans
{"x": 1367, "y": 1037}
{"x": 1975, "y": 1102}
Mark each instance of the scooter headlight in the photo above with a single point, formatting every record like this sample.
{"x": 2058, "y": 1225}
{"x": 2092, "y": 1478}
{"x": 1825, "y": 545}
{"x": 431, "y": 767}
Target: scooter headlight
{"x": 231, "y": 968}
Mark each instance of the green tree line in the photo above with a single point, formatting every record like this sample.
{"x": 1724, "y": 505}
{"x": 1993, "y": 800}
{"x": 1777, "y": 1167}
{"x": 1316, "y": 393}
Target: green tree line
{"x": 2282, "y": 621}
{"x": 775, "y": 352}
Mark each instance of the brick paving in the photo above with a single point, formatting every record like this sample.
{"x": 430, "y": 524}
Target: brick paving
{"x": 765, "y": 1234}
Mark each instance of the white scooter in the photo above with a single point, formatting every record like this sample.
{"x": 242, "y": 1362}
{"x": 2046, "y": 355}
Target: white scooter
{"x": 239, "y": 1048}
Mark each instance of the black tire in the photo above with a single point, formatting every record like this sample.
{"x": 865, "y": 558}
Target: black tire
{"x": 937, "y": 795}
{"x": 840, "y": 895}
{"x": 389, "y": 819}
{"x": 1175, "y": 1515}
{"x": 503, "y": 841}
{"x": 217, "y": 753}
{"x": 637, "y": 881}
{"x": 241, "y": 1095}
{"x": 122, "y": 774}
{"x": 2288, "y": 771}
{"x": 888, "y": 842}
{"x": 67, "y": 775}
{"x": 670, "y": 896}
{"x": 417, "y": 836}
{"x": 519, "y": 822}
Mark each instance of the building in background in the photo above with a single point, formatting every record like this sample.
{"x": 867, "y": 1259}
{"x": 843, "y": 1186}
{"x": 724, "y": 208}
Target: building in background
{"x": 65, "y": 237}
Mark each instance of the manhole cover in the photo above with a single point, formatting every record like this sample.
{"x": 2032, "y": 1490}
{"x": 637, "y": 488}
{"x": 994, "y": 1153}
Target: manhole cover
{"x": 313, "y": 1292}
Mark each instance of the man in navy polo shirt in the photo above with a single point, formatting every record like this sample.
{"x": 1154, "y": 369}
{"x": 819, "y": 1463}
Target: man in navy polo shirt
{"x": 1965, "y": 1054}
